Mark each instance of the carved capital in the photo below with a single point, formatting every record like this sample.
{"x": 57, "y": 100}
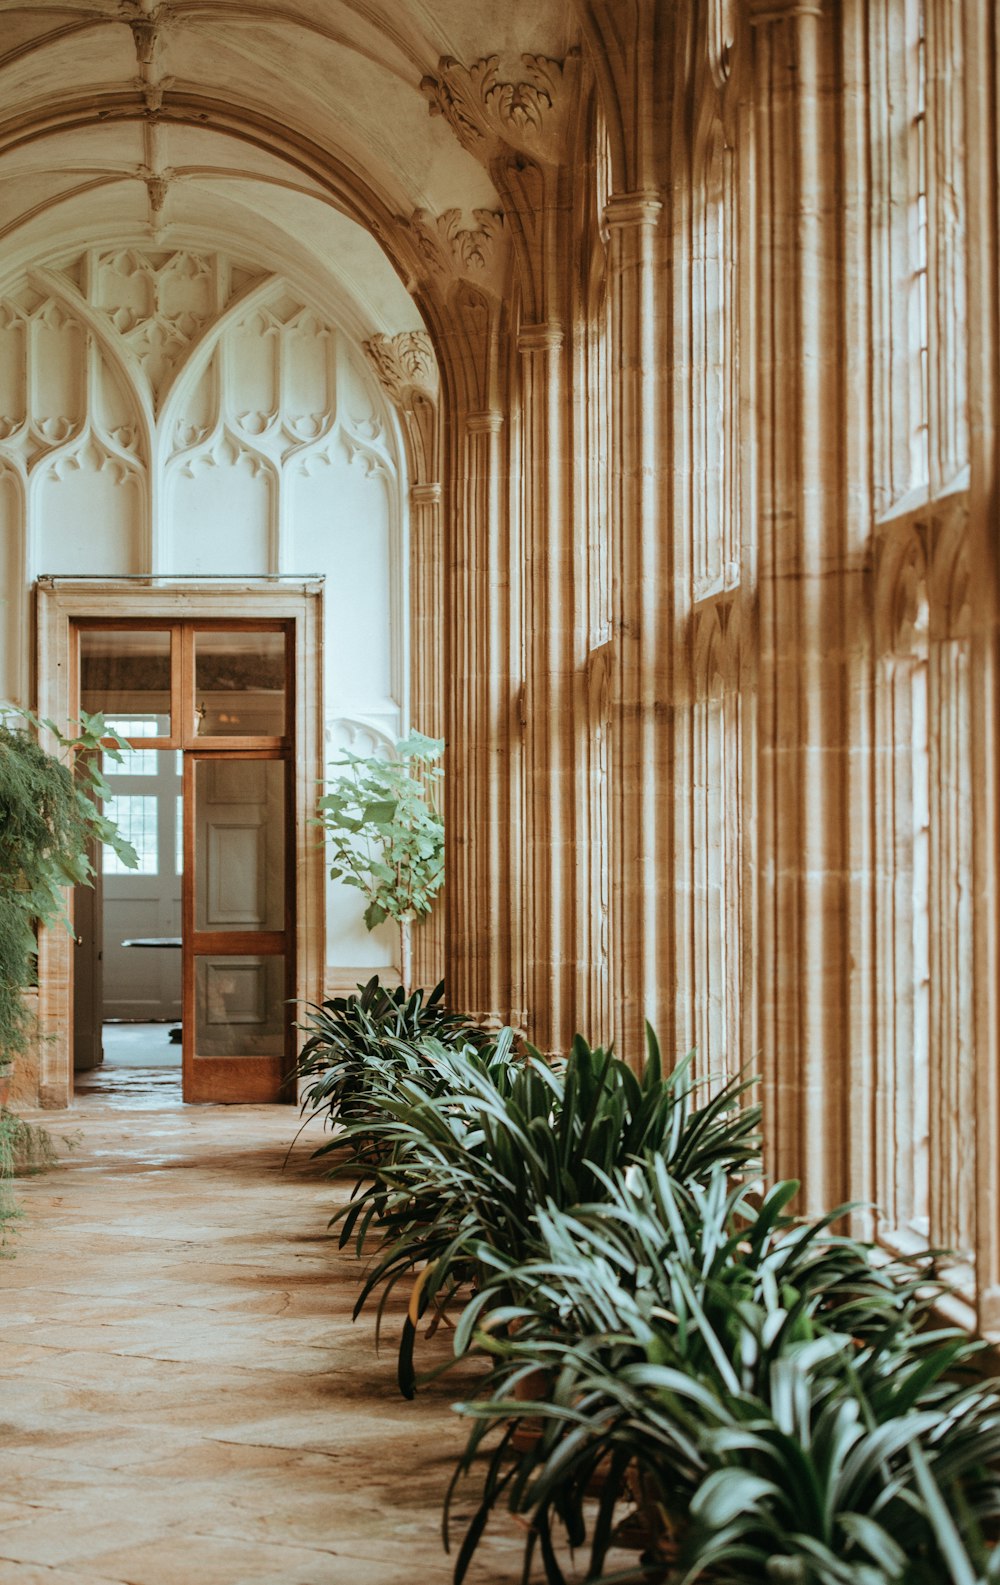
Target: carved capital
{"x": 404, "y": 363}
{"x": 761, "y": 12}
{"x": 452, "y": 252}
{"x": 426, "y": 494}
{"x": 540, "y": 338}
{"x": 486, "y": 423}
{"x": 488, "y": 115}
{"x": 633, "y": 209}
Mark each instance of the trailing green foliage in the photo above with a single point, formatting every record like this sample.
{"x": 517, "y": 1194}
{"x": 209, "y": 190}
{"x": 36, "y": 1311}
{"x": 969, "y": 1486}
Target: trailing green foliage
{"x": 25, "y": 1148}
{"x": 49, "y": 814}
{"x": 10, "y": 1212}
{"x": 386, "y": 834}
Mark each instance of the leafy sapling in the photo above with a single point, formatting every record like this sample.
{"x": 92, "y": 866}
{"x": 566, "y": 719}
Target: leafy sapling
{"x": 386, "y": 832}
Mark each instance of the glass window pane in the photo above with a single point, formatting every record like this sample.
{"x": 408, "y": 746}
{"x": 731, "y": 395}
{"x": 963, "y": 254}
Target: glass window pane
{"x": 239, "y": 844}
{"x": 240, "y": 1006}
{"x": 126, "y": 673}
{"x": 134, "y": 761}
{"x": 239, "y": 684}
{"x": 135, "y": 815}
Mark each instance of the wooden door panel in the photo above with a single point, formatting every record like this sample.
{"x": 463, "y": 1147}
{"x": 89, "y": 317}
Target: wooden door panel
{"x": 239, "y": 844}
{"x": 235, "y": 876}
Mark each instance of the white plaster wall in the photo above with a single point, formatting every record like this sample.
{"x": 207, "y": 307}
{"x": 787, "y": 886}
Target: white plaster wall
{"x": 179, "y": 411}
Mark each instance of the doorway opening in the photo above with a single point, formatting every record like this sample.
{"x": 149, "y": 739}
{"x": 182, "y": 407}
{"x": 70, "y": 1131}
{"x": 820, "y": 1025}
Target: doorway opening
{"x": 185, "y": 965}
{"x": 127, "y": 956}
{"x": 154, "y": 683}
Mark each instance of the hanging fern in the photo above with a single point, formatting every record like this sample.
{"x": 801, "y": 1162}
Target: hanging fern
{"x": 49, "y": 814}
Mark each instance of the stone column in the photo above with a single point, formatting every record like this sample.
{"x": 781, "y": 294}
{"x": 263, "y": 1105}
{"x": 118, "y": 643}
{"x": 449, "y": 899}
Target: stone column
{"x": 981, "y": 95}
{"x": 641, "y": 747}
{"x": 551, "y": 624}
{"x": 477, "y": 612}
{"x": 521, "y": 131}
{"x": 803, "y": 762}
{"x": 465, "y": 275}
{"x": 407, "y": 369}
{"x": 427, "y": 682}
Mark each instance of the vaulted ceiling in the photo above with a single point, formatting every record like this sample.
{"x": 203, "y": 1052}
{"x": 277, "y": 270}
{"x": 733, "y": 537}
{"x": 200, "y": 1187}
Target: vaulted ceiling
{"x": 297, "y": 130}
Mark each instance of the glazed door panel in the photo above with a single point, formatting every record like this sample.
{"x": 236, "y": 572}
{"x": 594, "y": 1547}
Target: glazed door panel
{"x": 238, "y": 924}
{"x": 143, "y": 904}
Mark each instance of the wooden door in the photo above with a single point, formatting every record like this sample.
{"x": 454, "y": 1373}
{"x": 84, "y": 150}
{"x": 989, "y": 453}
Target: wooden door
{"x": 218, "y": 692}
{"x": 88, "y": 968}
{"x": 238, "y": 925}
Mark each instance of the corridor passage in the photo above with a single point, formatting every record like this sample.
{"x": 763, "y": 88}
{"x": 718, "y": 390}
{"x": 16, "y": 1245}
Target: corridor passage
{"x": 184, "y": 1399}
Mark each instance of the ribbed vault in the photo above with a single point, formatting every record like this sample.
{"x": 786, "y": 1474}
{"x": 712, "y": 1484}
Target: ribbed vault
{"x": 272, "y": 121}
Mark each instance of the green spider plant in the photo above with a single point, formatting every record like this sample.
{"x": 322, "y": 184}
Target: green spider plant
{"x": 464, "y": 1170}
{"x": 689, "y": 1334}
{"x": 357, "y": 1044}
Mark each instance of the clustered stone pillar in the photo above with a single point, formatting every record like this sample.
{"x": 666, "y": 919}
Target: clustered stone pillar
{"x": 480, "y": 892}
{"x": 406, "y": 366}
{"x": 551, "y": 621}
{"x": 641, "y": 746}
{"x": 515, "y": 921}
{"x": 427, "y": 683}
{"x": 804, "y": 896}
{"x": 982, "y": 95}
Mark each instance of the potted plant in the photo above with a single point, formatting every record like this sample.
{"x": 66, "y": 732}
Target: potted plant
{"x": 755, "y": 1388}
{"x": 356, "y": 1044}
{"x": 387, "y": 834}
{"x": 467, "y": 1163}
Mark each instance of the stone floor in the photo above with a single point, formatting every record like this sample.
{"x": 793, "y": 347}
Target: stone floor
{"x": 184, "y": 1399}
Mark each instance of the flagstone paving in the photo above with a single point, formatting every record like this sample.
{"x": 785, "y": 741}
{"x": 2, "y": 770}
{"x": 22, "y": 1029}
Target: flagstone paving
{"x": 184, "y": 1398}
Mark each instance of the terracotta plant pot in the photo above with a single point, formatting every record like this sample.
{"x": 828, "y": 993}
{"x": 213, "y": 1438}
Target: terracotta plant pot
{"x": 534, "y": 1388}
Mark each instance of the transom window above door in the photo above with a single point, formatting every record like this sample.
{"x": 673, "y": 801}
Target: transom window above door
{"x": 188, "y": 684}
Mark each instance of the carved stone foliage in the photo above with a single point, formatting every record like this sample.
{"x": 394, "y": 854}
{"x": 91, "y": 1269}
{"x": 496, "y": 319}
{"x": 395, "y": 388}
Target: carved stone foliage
{"x": 488, "y": 115}
{"x": 147, "y": 26}
{"x": 404, "y": 362}
{"x": 448, "y": 251}
{"x": 520, "y": 128}
{"x": 407, "y": 369}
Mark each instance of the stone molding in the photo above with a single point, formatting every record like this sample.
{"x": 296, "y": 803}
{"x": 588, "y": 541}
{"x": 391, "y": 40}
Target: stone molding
{"x": 489, "y": 422}
{"x": 633, "y": 209}
{"x": 548, "y": 337}
{"x": 762, "y": 12}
